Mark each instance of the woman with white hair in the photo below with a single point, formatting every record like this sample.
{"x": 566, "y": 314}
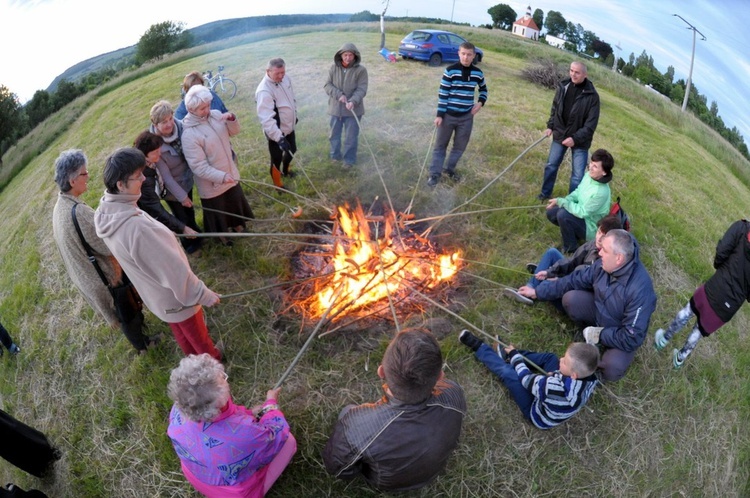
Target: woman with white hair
{"x": 206, "y": 145}
{"x": 72, "y": 177}
{"x": 225, "y": 449}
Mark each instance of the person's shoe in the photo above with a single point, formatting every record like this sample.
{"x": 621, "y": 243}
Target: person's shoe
{"x": 14, "y": 349}
{"x": 469, "y": 340}
{"x": 433, "y": 180}
{"x": 499, "y": 349}
{"x": 660, "y": 342}
{"x": 676, "y": 361}
{"x": 348, "y": 166}
{"x": 289, "y": 174}
{"x": 453, "y": 175}
{"x": 531, "y": 268}
{"x": 542, "y": 197}
{"x": 514, "y": 294}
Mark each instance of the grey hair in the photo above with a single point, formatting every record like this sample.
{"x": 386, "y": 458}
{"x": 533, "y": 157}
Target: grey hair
{"x": 583, "y": 67}
{"x": 277, "y": 62}
{"x": 67, "y": 166}
{"x": 160, "y": 111}
{"x": 198, "y": 387}
{"x": 622, "y": 243}
{"x": 196, "y": 96}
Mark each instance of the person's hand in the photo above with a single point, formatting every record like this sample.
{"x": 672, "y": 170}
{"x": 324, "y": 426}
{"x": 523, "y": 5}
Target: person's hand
{"x": 438, "y": 121}
{"x": 568, "y": 142}
{"x": 228, "y": 179}
{"x": 547, "y": 132}
{"x": 211, "y": 298}
{"x": 349, "y": 106}
{"x": 273, "y": 394}
{"x": 527, "y": 291}
{"x": 551, "y": 203}
{"x": 189, "y": 231}
{"x": 475, "y": 108}
{"x": 187, "y": 203}
{"x": 284, "y": 144}
{"x": 509, "y": 348}
{"x": 541, "y": 275}
{"x": 228, "y": 116}
{"x": 342, "y": 99}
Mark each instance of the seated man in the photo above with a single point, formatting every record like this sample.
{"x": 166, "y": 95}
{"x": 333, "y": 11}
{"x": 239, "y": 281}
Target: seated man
{"x": 554, "y": 265}
{"x": 545, "y": 399}
{"x": 404, "y": 440}
{"x": 614, "y": 295}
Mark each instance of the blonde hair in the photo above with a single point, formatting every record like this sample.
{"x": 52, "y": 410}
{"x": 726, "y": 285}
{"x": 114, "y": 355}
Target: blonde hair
{"x": 191, "y": 79}
{"x": 161, "y": 111}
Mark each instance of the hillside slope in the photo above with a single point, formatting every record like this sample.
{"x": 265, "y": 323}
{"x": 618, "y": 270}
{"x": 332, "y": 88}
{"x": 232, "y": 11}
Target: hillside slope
{"x": 656, "y": 433}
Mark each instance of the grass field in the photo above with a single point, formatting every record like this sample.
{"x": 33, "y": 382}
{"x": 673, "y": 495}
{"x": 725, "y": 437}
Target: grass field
{"x": 656, "y": 433}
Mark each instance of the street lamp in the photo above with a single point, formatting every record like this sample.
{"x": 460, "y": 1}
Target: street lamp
{"x": 692, "y": 58}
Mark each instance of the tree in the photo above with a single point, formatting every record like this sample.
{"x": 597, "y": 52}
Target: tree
{"x": 364, "y": 16}
{"x": 67, "y": 92}
{"x": 604, "y": 50}
{"x": 669, "y": 75}
{"x": 538, "y": 18}
{"x": 382, "y": 23}
{"x": 160, "y": 39}
{"x": 11, "y": 118}
{"x": 503, "y": 16}
{"x": 39, "y": 107}
{"x": 555, "y": 23}
{"x": 572, "y": 36}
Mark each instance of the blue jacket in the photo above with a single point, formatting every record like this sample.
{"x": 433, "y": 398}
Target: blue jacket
{"x": 624, "y": 300}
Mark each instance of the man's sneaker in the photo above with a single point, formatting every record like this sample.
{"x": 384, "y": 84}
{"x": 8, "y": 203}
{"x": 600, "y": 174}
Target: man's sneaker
{"x": 14, "y": 349}
{"x": 531, "y": 268}
{"x": 469, "y": 340}
{"x": 660, "y": 342}
{"x": 453, "y": 175}
{"x": 514, "y": 294}
{"x": 542, "y": 197}
{"x": 676, "y": 361}
{"x": 433, "y": 180}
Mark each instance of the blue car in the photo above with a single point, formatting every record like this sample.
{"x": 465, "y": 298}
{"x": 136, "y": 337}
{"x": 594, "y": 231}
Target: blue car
{"x": 433, "y": 46}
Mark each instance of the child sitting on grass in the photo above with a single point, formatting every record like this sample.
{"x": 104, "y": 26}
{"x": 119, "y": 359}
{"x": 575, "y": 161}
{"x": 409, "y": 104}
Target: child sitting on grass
{"x": 546, "y": 400}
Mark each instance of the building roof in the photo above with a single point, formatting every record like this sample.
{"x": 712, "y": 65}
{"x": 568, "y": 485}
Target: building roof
{"x": 528, "y": 22}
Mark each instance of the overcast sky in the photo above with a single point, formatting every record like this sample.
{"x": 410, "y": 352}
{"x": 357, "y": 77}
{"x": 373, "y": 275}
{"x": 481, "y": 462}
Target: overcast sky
{"x": 40, "y": 39}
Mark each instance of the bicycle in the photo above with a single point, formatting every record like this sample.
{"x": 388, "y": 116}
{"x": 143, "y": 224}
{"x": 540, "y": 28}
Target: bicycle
{"x": 223, "y": 86}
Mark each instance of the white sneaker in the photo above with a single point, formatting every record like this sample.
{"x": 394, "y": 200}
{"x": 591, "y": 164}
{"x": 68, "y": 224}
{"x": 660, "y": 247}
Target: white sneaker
{"x": 514, "y": 294}
{"x": 660, "y": 342}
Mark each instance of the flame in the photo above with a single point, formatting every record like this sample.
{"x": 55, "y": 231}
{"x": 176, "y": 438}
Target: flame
{"x": 364, "y": 269}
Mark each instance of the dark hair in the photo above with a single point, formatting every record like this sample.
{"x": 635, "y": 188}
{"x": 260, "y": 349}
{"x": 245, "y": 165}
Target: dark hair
{"x": 67, "y": 166}
{"x": 148, "y": 142}
{"x": 120, "y": 165}
{"x": 412, "y": 364}
{"x": 608, "y": 162}
{"x": 584, "y": 358}
{"x": 609, "y": 222}
{"x": 468, "y": 46}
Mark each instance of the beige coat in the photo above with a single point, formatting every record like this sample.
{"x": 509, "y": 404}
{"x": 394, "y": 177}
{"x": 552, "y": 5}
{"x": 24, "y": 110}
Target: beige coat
{"x": 79, "y": 268}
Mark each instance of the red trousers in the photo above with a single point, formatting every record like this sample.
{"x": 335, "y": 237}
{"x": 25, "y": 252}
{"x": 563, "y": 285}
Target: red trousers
{"x": 192, "y": 336}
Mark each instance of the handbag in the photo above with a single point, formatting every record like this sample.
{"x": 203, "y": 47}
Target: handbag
{"x": 127, "y": 301}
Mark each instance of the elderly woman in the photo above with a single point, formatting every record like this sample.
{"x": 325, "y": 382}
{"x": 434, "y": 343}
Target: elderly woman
{"x": 72, "y": 177}
{"x": 174, "y": 170}
{"x": 189, "y": 81}
{"x": 150, "y": 254}
{"x": 225, "y": 449}
{"x": 579, "y": 212}
{"x": 205, "y": 142}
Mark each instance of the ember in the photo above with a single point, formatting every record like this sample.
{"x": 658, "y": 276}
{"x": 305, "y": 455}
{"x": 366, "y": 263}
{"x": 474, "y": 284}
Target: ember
{"x": 360, "y": 269}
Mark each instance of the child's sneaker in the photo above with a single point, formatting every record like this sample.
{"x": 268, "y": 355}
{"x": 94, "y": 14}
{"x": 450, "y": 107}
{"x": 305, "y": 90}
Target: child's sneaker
{"x": 531, "y": 268}
{"x": 513, "y": 293}
{"x": 676, "y": 361}
{"x": 499, "y": 349}
{"x": 660, "y": 342}
{"x": 469, "y": 340}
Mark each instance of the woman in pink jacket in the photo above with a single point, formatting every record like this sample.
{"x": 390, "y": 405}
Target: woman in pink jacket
{"x": 205, "y": 143}
{"x": 225, "y": 450}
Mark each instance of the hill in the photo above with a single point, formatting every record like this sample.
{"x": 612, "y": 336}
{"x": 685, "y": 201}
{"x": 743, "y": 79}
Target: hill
{"x": 656, "y": 433}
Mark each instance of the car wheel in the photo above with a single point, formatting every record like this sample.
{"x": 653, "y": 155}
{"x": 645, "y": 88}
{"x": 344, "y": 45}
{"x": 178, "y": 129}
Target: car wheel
{"x": 435, "y": 60}
{"x": 477, "y": 59}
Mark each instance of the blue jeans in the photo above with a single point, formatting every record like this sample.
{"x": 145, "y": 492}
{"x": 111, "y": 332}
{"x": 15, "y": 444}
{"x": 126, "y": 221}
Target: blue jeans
{"x": 461, "y": 126}
{"x": 572, "y": 228}
{"x": 508, "y": 376}
{"x": 555, "y": 158}
{"x": 351, "y": 138}
{"x": 549, "y": 258}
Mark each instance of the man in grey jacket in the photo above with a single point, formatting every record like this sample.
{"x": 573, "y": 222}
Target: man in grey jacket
{"x": 346, "y": 88}
{"x": 404, "y": 440}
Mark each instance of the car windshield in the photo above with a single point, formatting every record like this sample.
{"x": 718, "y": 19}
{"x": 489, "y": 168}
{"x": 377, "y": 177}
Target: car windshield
{"x": 418, "y": 36}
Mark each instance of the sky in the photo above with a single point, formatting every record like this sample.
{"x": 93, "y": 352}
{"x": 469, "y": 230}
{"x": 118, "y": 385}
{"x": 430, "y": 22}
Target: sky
{"x": 40, "y": 39}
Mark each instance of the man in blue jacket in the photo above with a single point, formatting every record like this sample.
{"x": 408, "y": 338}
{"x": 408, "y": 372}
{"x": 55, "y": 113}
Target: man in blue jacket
{"x": 613, "y": 298}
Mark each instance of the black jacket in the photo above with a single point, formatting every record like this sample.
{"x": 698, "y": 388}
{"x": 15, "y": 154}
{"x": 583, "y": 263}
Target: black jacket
{"x": 584, "y": 115}
{"x": 729, "y": 287}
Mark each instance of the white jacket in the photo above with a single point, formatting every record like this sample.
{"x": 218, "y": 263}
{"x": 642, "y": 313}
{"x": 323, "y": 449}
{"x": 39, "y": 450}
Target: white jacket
{"x": 281, "y": 96}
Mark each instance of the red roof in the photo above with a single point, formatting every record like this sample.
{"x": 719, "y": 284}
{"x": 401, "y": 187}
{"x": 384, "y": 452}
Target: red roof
{"x": 528, "y": 22}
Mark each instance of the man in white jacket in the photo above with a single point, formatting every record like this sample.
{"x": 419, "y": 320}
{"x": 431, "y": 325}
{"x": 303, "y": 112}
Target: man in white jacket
{"x": 277, "y": 111}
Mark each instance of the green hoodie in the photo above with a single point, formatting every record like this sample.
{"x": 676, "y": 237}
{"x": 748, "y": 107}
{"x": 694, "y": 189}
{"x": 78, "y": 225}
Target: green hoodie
{"x": 590, "y": 202}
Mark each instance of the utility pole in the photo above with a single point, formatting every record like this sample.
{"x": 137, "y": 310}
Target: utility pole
{"x": 692, "y": 58}
{"x": 452, "y": 9}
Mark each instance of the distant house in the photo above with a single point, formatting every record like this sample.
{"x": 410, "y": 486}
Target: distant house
{"x": 555, "y": 41}
{"x": 526, "y": 26}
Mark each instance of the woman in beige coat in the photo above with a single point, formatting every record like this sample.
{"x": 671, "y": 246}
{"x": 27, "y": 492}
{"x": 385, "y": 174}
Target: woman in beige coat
{"x": 72, "y": 176}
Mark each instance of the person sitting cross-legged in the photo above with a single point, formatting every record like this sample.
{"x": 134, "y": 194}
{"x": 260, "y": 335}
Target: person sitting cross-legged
{"x": 545, "y": 399}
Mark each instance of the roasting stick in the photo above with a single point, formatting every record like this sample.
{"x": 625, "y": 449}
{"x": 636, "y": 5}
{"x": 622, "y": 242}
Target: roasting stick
{"x": 381, "y": 268}
{"x": 421, "y": 170}
{"x": 304, "y": 199}
{"x": 310, "y": 339}
{"x": 479, "y": 211}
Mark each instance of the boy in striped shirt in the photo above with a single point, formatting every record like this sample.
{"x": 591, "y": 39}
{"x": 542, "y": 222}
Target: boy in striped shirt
{"x": 547, "y": 400}
{"x": 455, "y": 112}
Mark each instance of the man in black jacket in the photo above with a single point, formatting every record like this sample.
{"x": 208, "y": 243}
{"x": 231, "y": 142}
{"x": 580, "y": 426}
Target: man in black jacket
{"x": 572, "y": 123}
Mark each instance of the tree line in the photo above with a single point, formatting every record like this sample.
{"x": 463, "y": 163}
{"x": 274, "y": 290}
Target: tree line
{"x": 586, "y": 43}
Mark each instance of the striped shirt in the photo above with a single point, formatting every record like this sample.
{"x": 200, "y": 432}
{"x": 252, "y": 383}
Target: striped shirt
{"x": 456, "y": 94}
{"x": 556, "y": 397}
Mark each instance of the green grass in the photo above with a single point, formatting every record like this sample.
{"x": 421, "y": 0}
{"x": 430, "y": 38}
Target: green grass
{"x": 656, "y": 433}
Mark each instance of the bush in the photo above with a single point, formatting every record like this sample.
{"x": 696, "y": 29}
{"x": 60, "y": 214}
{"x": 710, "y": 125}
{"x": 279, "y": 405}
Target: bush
{"x": 542, "y": 72}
